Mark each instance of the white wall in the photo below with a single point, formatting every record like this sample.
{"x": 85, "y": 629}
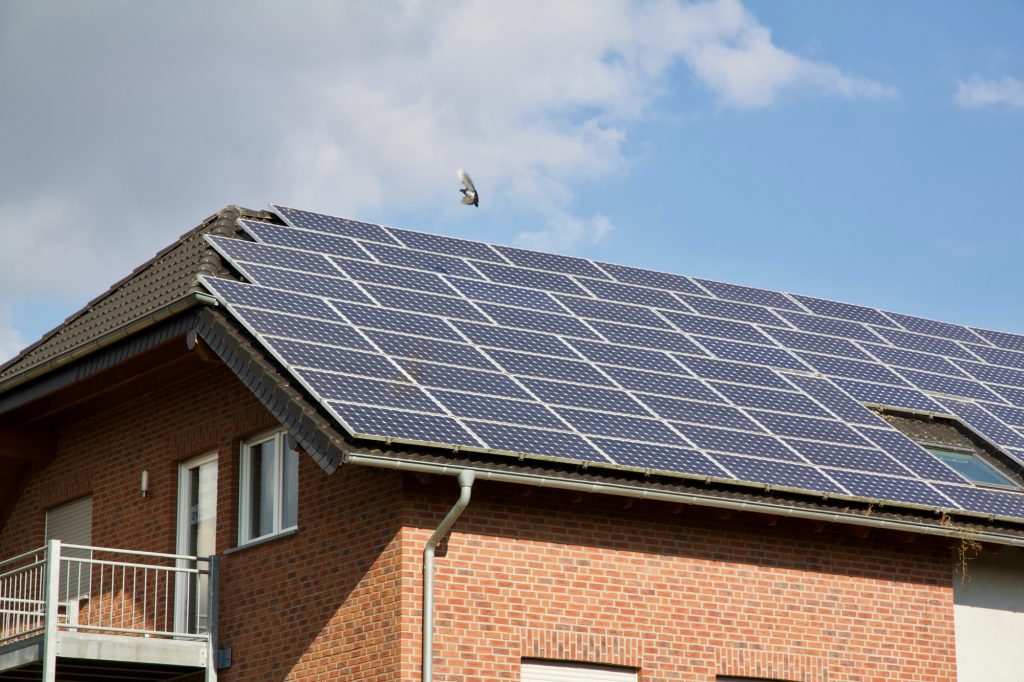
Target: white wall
{"x": 989, "y": 614}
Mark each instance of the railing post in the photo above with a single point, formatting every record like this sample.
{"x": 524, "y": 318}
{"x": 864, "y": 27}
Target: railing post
{"x": 213, "y": 615}
{"x": 52, "y": 595}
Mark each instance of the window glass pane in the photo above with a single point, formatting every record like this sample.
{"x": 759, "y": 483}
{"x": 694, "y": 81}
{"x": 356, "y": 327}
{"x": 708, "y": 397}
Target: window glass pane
{"x": 261, "y": 488}
{"x": 970, "y": 467}
{"x": 289, "y": 485}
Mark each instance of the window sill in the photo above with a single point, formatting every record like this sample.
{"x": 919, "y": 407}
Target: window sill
{"x": 263, "y": 540}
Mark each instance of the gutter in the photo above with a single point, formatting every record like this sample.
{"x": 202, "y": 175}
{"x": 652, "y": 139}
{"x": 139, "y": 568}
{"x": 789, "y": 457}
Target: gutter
{"x": 466, "y": 478}
{"x": 138, "y": 324}
{"x": 545, "y": 481}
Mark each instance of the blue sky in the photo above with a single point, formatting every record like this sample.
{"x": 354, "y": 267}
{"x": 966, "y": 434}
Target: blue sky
{"x": 867, "y": 152}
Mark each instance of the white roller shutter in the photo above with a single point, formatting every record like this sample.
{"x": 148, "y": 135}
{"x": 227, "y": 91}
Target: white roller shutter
{"x": 566, "y": 671}
{"x": 71, "y": 523}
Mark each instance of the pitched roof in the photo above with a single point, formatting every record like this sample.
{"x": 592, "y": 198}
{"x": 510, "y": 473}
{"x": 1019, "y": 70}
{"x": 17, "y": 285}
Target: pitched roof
{"x": 407, "y": 337}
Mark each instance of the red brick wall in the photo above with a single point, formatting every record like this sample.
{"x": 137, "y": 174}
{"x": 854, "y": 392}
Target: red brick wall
{"x": 680, "y": 594}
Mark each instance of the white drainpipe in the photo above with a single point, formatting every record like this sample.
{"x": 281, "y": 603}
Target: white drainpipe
{"x": 466, "y": 478}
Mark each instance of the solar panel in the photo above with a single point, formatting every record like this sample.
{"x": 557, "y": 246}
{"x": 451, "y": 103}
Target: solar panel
{"x": 550, "y": 261}
{"x": 578, "y": 395}
{"x": 677, "y": 409}
{"x": 778, "y": 474}
{"x": 846, "y": 457}
{"x": 732, "y": 310}
{"x": 890, "y": 396}
{"x": 659, "y": 457}
{"x": 665, "y": 384}
{"x": 303, "y": 239}
{"x": 557, "y": 444}
{"x": 461, "y": 379}
{"x": 449, "y": 245}
{"x": 983, "y": 422}
{"x": 419, "y": 348}
{"x": 397, "y": 321}
{"x": 537, "y": 321}
{"x": 627, "y": 293}
{"x": 609, "y": 353}
{"x": 1002, "y": 339}
{"x": 515, "y": 339}
{"x": 1014, "y": 416}
{"x": 851, "y": 369}
{"x": 807, "y": 427}
{"x": 292, "y": 327}
{"x": 998, "y": 356}
{"x": 889, "y": 488}
{"x": 544, "y": 367}
{"x": 615, "y": 312}
{"x": 827, "y": 325}
{"x": 769, "y": 399}
{"x": 445, "y": 265}
{"x": 362, "y": 271}
{"x": 420, "y": 302}
{"x": 935, "y": 328}
{"x": 497, "y": 409}
{"x": 927, "y": 344}
{"x": 239, "y": 250}
{"x": 913, "y": 359}
{"x": 254, "y": 296}
{"x": 533, "y": 279}
{"x": 948, "y": 385}
{"x": 328, "y": 223}
{"x": 315, "y": 356}
{"x": 985, "y": 501}
{"x": 724, "y": 440}
{"x": 752, "y": 353}
{"x": 735, "y": 292}
{"x": 305, "y": 283}
{"x": 817, "y": 343}
{"x": 337, "y": 387}
{"x": 619, "y": 426}
{"x": 413, "y": 426}
{"x": 994, "y": 375}
{"x": 710, "y": 326}
{"x": 646, "y": 338}
{"x": 840, "y": 404}
{"x": 846, "y": 311}
{"x": 651, "y": 278}
{"x": 911, "y": 455}
{"x": 733, "y": 371}
{"x": 499, "y": 293}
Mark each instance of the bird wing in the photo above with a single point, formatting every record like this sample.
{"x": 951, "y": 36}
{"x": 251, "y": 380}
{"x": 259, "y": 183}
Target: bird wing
{"x": 464, "y": 179}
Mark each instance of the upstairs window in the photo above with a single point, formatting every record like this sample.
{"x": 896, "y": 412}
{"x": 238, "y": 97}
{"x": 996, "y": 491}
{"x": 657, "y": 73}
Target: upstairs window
{"x": 970, "y": 466}
{"x": 269, "y": 488}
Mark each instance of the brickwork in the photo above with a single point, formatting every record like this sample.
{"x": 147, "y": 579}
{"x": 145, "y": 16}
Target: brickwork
{"x": 677, "y": 593}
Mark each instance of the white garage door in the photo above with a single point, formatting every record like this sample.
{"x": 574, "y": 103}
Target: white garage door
{"x": 565, "y": 671}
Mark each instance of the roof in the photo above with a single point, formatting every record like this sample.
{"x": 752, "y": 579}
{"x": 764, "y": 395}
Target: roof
{"x": 408, "y": 337}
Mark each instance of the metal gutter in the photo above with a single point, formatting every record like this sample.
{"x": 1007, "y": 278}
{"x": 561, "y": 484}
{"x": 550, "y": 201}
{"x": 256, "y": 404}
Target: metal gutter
{"x": 138, "y": 324}
{"x": 466, "y": 478}
{"x": 543, "y": 481}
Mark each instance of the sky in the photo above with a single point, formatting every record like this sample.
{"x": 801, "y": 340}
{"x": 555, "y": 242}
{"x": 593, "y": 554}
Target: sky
{"x": 868, "y": 152}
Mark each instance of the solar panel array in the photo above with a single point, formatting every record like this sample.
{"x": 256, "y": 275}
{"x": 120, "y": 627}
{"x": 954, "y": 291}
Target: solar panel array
{"x": 421, "y": 338}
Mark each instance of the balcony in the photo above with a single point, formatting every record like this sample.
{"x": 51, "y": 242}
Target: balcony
{"x": 75, "y": 613}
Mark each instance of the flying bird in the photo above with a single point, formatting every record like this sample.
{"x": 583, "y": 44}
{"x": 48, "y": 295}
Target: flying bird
{"x": 469, "y": 195}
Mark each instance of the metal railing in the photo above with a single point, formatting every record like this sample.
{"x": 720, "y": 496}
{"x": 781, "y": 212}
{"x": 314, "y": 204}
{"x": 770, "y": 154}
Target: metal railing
{"x": 74, "y": 588}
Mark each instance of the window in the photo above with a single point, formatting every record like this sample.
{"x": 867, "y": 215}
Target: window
{"x": 568, "y": 671}
{"x": 71, "y": 523}
{"x": 968, "y": 465}
{"x": 269, "y": 487}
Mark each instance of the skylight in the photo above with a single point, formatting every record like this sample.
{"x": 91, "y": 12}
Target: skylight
{"x": 971, "y": 467}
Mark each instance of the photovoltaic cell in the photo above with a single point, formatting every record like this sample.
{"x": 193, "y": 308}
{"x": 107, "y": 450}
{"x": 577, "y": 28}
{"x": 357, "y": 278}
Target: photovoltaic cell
{"x": 397, "y": 277}
{"x": 923, "y": 343}
{"x": 817, "y": 343}
{"x": 397, "y": 321}
{"x": 500, "y": 293}
{"x": 841, "y": 405}
{"x": 1002, "y": 339}
{"x": 1014, "y": 416}
{"x": 534, "y": 279}
{"x": 993, "y": 375}
{"x": 420, "y": 302}
{"x": 911, "y": 455}
{"x": 948, "y": 385}
{"x": 417, "y": 347}
{"x": 676, "y": 409}
{"x": 709, "y": 326}
{"x": 984, "y": 423}
{"x": 445, "y": 265}
{"x": 551, "y": 261}
{"x": 846, "y": 311}
{"x": 514, "y": 339}
{"x": 313, "y": 356}
{"x": 778, "y": 474}
{"x": 935, "y": 328}
{"x": 449, "y": 245}
{"x": 368, "y": 391}
{"x": 992, "y": 502}
{"x": 651, "y": 278}
{"x": 328, "y": 223}
{"x": 735, "y": 292}
{"x": 612, "y": 354}
{"x": 659, "y": 458}
{"x": 576, "y": 395}
{"x": 851, "y": 369}
{"x": 497, "y": 409}
{"x": 305, "y": 283}
{"x": 461, "y": 379}
{"x": 252, "y": 252}
{"x": 627, "y": 293}
{"x": 732, "y": 371}
{"x": 1014, "y": 396}
{"x": 619, "y": 426}
{"x": 914, "y": 360}
{"x": 889, "y": 488}
{"x": 303, "y": 239}
{"x": 732, "y": 310}
{"x": 998, "y": 356}
{"x": 255, "y": 296}
{"x": 827, "y": 325}
{"x": 890, "y": 396}
{"x": 748, "y": 352}
{"x": 846, "y": 457}
{"x": 646, "y": 338}
{"x": 616, "y": 312}
{"x": 770, "y": 399}
{"x": 807, "y": 427}
{"x": 535, "y": 441}
{"x": 537, "y": 320}
{"x": 735, "y": 442}
{"x": 289, "y": 326}
{"x": 548, "y": 368}
{"x": 387, "y": 423}
{"x": 665, "y": 384}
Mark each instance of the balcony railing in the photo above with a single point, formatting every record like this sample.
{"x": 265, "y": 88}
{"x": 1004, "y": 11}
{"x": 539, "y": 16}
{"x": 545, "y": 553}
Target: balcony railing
{"x": 61, "y": 589}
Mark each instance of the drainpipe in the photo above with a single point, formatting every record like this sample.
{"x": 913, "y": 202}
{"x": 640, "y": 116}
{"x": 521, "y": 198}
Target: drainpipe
{"x": 466, "y": 478}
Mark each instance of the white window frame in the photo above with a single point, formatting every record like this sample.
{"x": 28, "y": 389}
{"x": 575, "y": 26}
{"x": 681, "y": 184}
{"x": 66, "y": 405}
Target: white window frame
{"x": 184, "y": 583}
{"x": 281, "y": 441}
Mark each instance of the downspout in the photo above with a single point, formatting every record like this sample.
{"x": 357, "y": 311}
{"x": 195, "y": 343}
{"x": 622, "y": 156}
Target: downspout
{"x": 466, "y": 478}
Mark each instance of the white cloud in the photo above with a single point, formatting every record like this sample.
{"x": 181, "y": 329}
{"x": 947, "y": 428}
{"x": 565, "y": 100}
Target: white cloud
{"x": 979, "y": 92}
{"x": 119, "y": 132}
